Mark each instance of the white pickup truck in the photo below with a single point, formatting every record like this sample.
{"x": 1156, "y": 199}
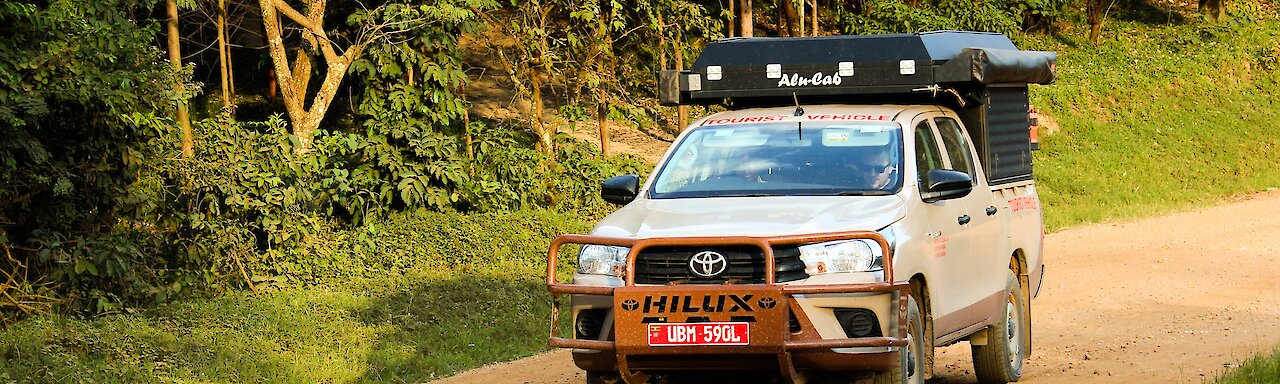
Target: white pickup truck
{"x": 828, "y": 238}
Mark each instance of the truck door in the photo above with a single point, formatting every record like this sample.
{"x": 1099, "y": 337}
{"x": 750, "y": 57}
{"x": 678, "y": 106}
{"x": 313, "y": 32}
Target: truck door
{"x": 951, "y": 244}
{"x": 989, "y": 259}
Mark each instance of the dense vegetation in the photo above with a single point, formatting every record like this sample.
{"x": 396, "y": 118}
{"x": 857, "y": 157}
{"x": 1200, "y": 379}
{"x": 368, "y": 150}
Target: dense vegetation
{"x": 403, "y": 238}
{"x": 127, "y": 179}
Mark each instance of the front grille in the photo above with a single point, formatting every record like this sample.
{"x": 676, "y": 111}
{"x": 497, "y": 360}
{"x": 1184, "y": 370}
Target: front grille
{"x": 666, "y": 265}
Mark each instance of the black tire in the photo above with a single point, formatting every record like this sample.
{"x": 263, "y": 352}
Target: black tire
{"x": 1000, "y": 361}
{"x": 603, "y": 378}
{"x": 911, "y": 369}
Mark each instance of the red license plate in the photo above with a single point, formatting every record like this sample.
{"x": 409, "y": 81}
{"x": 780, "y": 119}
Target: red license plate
{"x": 687, "y": 334}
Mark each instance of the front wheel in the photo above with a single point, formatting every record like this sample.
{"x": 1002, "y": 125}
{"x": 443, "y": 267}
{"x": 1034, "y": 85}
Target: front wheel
{"x": 911, "y": 369}
{"x": 602, "y": 378}
{"x": 1000, "y": 361}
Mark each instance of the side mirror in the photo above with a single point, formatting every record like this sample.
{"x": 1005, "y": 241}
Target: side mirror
{"x": 946, "y": 184}
{"x": 620, "y": 190}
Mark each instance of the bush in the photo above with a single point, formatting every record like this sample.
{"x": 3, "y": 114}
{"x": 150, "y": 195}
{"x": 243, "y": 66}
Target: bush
{"x": 82, "y": 95}
{"x": 898, "y": 16}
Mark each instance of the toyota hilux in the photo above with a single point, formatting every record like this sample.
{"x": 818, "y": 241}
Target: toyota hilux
{"x": 862, "y": 201}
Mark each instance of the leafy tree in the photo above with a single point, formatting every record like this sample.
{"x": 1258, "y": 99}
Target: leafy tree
{"x": 416, "y": 123}
{"x": 83, "y": 90}
{"x": 295, "y": 78}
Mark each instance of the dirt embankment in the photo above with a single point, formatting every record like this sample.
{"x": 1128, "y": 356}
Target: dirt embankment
{"x": 1174, "y": 299}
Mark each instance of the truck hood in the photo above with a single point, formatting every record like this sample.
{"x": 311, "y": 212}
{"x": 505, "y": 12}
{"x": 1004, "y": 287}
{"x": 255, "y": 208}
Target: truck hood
{"x": 750, "y": 216}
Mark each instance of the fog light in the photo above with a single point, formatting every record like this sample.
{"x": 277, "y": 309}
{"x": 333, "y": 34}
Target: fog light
{"x": 858, "y": 322}
{"x": 589, "y": 323}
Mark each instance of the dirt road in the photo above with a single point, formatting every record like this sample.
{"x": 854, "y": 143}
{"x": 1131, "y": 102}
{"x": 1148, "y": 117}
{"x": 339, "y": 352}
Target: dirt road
{"x": 1174, "y": 299}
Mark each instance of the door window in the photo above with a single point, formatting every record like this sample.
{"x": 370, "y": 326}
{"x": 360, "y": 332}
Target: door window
{"x": 957, "y": 147}
{"x": 928, "y": 157}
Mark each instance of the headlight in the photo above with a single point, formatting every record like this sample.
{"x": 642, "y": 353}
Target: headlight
{"x": 603, "y": 260}
{"x": 861, "y": 255}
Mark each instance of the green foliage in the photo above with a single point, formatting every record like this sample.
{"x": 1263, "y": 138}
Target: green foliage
{"x": 247, "y": 194}
{"x": 424, "y": 295}
{"x": 82, "y": 94}
{"x": 899, "y": 16}
{"x": 415, "y": 133}
{"x": 1163, "y": 119}
{"x": 97, "y": 198}
{"x": 1257, "y": 370}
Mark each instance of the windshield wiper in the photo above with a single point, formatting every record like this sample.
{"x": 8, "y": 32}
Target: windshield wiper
{"x": 747, "y": 195}
{"x": 860, "y": 193}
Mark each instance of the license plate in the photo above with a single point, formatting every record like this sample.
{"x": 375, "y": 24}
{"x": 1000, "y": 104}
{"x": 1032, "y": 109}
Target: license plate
{"x": 689, "y": 334}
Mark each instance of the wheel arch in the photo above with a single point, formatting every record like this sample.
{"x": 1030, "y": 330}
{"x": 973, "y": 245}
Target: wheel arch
{"x": 1018, "y": 263}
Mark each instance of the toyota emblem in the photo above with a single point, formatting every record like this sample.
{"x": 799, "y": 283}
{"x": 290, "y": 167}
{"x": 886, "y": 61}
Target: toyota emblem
{"x": 708, "y": 264}
{"x": 630, "y": 304}
{"x": 767, "y": 302}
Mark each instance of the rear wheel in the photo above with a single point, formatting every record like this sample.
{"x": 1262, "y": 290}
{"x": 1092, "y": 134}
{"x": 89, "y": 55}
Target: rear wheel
{"x": 911, "y": 369}
{"x": 1000, "y": 361}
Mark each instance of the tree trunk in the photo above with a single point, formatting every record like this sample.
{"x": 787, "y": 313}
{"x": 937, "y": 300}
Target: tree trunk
{"x": 466, "y": 132}
{"x": 789, "y": 13}
{"x": 223, "y": 55}
{"x": 272, "y": 93}
{"x": 733, "y": 14}
{"x": 745, "y": 18}
{"x": 293, "y": 82}
{"x": 803, "y": 24}
{"x": 231, "y": 72}
{"x": 602, "y": 118}
{"x": 545, "y": 138}
{"x": 605, "y": 46}
{"x": 1093, "y": 13}
{"x": 175, "y": 59}
{"x": 814, "y": 30}
{"x": 682, "y": 112}
{"x": 1214, "y": 8}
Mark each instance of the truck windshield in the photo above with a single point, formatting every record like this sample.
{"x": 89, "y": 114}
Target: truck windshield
{"x": 784, "y": 159}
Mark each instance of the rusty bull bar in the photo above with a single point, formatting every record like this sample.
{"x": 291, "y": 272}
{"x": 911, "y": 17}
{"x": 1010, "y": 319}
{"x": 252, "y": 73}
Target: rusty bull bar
{"x": 784, "y": 347}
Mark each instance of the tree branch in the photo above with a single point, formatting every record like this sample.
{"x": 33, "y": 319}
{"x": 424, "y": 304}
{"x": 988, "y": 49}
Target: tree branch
{"x": 294, "y": 15}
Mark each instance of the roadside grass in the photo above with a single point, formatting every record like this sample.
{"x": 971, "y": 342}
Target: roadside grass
{"x": 479, "y": 298}
{"x": 1260, "y": 369}
{"x": 1157, "y": 118}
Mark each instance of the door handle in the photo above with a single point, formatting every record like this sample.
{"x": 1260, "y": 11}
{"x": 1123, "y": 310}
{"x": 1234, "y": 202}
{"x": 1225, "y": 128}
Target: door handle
{"x": 991, "y": 211}
{"x": 963, "y": 220}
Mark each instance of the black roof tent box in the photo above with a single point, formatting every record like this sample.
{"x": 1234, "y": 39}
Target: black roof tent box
{"x": 983, "y": 75}
{"x": 832, "y": 67}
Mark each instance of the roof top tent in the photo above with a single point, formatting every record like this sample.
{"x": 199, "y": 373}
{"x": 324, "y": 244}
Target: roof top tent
{"x": 983, "y": 76}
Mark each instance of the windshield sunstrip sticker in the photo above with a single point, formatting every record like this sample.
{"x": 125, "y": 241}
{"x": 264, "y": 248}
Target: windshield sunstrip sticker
{"x": 766, "y": 119}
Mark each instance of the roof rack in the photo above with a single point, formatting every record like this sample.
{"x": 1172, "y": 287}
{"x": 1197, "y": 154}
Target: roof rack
{"x": 753, "y": 71}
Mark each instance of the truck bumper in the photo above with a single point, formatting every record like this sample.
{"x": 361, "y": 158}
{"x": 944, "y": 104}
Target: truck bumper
{"x": 781, "y": 337}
